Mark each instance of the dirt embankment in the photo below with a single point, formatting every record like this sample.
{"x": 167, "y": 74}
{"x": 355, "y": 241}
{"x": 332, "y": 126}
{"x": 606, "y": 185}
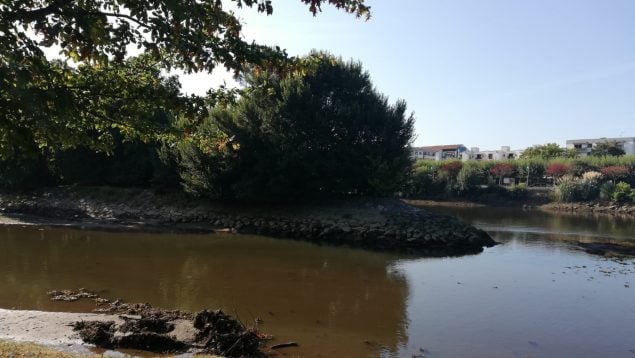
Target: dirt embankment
{"x": 379, "y": 224}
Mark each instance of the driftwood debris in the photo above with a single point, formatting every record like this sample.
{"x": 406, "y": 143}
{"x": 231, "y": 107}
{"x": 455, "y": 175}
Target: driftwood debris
{"x": 284, "y": 345}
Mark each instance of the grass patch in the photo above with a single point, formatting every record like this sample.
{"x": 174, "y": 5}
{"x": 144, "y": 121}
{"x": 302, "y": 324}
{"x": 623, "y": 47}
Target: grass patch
{"x": 9, "y": 349}
{"x": 29, "y": 350}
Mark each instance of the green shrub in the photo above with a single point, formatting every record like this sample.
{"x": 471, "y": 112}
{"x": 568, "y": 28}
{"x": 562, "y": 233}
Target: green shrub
{"x": 518, "y": 191}
{"x": 469, "y": 178}
{"x": 24, "y": 172}
{"x": 566, "y": 190}
{"x": 587, "y": 190}
{"x": 579, "y": 167}
{"x": 622, "y": 192}
{"x": 606, "y": 191}
{"x": 131, "y": 164}
{"x": 533, "y": 171}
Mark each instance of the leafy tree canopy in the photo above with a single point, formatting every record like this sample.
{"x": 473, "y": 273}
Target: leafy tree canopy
{"x": 52, "y": 104}
{"x": 193, "y": 35}
{"x": 63, "y": 107}
{"x": 319, "y": 132}
{"x": 607, "y": 149}
{"x": 548, "y": 151}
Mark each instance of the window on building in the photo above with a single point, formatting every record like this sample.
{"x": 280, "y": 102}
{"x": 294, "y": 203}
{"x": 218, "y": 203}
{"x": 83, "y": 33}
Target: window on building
{"x": 490, "y": 156}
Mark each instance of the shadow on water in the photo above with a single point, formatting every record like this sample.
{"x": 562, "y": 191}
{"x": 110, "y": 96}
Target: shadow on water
{"x": 335, "y": 301}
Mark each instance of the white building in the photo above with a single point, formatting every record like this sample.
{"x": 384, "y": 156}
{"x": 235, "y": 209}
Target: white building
{"x": 584, "y": 146}
{"x": 504, "y": 153}
{"x": 438, "y": 152}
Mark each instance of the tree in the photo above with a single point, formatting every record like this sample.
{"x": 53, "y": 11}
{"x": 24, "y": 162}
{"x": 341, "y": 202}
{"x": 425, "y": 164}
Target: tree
{"x": 548, "y": 151}
{"x": 502, "y": 170}
{"x": 320, "y": 132}
{"x": 42, "y": 99}
{"x": 607, "y": 149}
{"x": 69, "y": 107}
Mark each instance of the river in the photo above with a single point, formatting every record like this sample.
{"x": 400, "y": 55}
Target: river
{"x": 535, "y": 295}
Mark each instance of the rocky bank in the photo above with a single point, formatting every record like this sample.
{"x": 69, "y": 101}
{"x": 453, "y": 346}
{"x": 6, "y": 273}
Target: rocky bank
{"x": 591, "y": 207}
{"x": 378, "y": 224}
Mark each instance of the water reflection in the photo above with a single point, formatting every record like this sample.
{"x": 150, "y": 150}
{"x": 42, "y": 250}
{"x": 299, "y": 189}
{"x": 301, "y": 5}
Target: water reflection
{"x": 508, "y": 219}
{"x": 333, "y": 301}
{"x": 535, "y": 295}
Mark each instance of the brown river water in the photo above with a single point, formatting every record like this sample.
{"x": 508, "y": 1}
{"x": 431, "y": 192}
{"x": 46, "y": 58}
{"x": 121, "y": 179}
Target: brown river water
{"x": 535, "y": 295}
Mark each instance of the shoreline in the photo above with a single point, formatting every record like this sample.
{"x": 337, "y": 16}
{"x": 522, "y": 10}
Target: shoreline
{"x": 50, "y": 329}
{"x": 54, "y": 330}
{"x": 579, "y": 208}
{"x": 388, "y": 225}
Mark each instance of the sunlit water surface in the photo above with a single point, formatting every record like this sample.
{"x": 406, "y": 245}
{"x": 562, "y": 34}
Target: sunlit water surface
{"x": 535, "y": 295}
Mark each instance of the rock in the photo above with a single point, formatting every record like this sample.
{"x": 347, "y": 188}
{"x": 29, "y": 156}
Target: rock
{"x": 382, "y": 224}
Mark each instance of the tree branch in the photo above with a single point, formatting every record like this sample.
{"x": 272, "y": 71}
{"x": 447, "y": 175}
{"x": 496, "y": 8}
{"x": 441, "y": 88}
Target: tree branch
{"x": 112, "y": 14}
{"x": 39, "y": 14}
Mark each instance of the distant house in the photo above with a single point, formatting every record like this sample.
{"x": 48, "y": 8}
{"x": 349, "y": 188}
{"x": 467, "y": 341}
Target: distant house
{"x": 438, "y": 152}
{"x": 584, "y": 146}
{"x": 503, "y": 154}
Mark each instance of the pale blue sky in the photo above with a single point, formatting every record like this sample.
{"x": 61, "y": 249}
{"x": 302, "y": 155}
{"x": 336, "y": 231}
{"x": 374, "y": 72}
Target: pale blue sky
{"x": 482, "y": 73}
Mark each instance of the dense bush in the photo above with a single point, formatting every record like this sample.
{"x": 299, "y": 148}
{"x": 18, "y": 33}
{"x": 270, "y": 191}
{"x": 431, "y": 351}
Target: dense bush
{"x": 578, "y": 167}
{"x": 606, "y": 191}
{"x": 131, "y": 164}
{"x": 557, "y": 170}
{"x": 587, "y": 190}
{"x": 584, "y": 173}
{"x": 422, "y": 182}
{"x": 518, "y": 191}
{"x": 320, "y": 132}
{"x": 592, "y": 176}
{"x": 21, "y": 172}
{"x": 566, "y": 190}
{"x": 622, "y": 192}
{"x": 502, "y": 170}
{"x": 450, "y": 169}
{"x": 615, "y": 172}
{"x": 470, "y": 178}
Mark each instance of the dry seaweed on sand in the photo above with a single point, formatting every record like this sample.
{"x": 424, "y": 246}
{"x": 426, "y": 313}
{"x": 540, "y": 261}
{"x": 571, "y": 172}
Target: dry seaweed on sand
{"x": 70, "y": 295}
{"x": 145, "y": 327}
{"x": 215, "y": 333}
{"x": 221, "y": 334}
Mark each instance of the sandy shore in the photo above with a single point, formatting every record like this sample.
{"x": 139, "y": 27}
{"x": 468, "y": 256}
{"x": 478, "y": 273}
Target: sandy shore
{"x": 55, "y": 330}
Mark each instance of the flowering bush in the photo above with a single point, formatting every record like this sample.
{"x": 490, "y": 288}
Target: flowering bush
{"x": 502, "y": 170}
{"x": 557, "y": 170}
{"x": 592, "y": 176}
{"x": 451, "y": 169}
{"x": 568, "y": 189}
{"x": 615, "y": 171}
